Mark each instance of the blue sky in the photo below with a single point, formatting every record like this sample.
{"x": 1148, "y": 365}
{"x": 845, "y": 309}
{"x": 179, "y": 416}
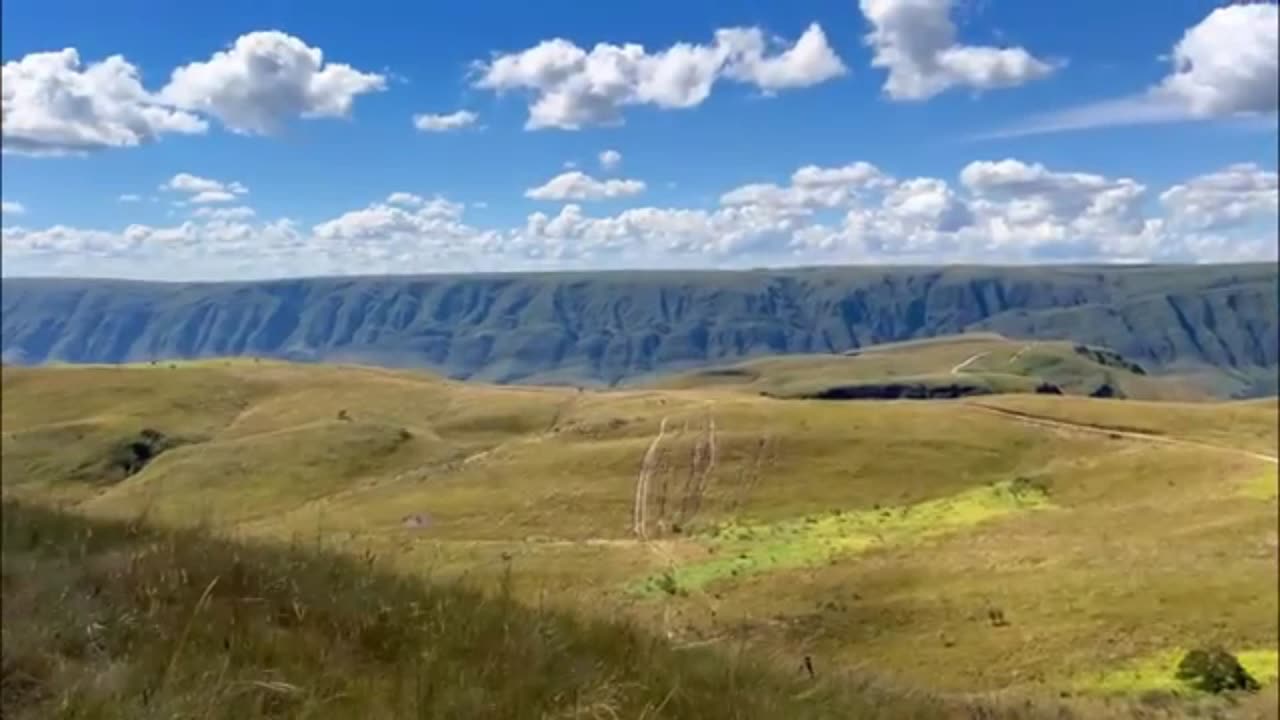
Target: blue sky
{"x": 964, "y": 135}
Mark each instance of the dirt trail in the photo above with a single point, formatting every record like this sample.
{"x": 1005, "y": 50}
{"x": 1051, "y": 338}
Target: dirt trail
{"x": 1057, "y": 423}
{"x": 971, "y": 359}
{"x": 639, "y": 517}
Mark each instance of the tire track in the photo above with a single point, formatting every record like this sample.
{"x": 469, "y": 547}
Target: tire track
{"x": 1057, "y": 423}
{"x": 639, "y": 516}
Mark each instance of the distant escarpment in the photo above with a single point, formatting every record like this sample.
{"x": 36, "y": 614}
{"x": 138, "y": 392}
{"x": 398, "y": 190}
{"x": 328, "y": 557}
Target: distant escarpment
{"x": 1217, "y": 323}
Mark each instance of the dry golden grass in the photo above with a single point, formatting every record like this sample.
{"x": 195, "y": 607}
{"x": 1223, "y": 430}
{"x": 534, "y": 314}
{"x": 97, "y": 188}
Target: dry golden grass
{"x": 1148, "y": 545}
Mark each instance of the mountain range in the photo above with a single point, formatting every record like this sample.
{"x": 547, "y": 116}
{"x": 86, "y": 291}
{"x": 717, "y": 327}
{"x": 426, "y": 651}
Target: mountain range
{"x": 1215, "y": 324}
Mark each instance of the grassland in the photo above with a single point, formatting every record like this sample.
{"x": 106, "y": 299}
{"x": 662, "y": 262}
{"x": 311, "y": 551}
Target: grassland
{"x": 107, "y": 620}
{"x": 1142, "y": 528}
{"x": 987, "y": 363}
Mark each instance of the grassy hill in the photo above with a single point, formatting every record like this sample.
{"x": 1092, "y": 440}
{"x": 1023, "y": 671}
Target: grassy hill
{"x": 109, "y": 620}
{"x": 969, "y": 364}
{"x": 1217, "y": 324}
{"x": 1022, "y": 545}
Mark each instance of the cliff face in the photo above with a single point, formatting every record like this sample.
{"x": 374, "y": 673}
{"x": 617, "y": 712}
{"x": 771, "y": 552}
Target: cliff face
{"x": 607, "y": 327}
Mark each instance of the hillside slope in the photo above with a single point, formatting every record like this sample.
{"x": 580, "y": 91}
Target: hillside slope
{"x": 947, "y": 366}
{"x": 111, "y": 620}
{"x": 866, "y": 536}
{"x": 592, "y": 328}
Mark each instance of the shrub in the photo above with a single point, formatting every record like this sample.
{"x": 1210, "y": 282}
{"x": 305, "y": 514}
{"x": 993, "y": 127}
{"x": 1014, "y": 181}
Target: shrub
{"x": 668, "y": 584}
{"x": 1214, "y": 670}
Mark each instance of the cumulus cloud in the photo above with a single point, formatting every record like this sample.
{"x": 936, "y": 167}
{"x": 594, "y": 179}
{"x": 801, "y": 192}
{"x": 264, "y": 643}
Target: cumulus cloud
{"x": 9, "y": 207}
{"x": 401, "y": 216}
{"x": 130, "y": 198}
{"x": 405, "y": 199}
{"x": 812, "y": 187}
{"x": 228, "y": 214}
{"x": 1021, "y": 200}
{"x": 445, "y": 123}
{"x": 1227, "y": 64}
{"x": 1235, "y": 194}
{"x": 199, "y": 190}
{"x": 577, "y": 185}
{"x": 610, "y": 159}
{"x": 915, "y": 41}
{"x": 266, "y": 78}
{"x": 1224, "y": 66}
{"x": 54, "y": 106}
{"x": 1006, "y": 210}
{"x": 573, "y": 87}
{"x": 809, "y": 62}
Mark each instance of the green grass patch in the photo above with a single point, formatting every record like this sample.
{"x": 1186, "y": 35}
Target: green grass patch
{"x": 1263, "y": 665}
{"x": 1263, "y": 486}
{"x": 1158, "y": 673}
{"x": 737, "y": 550}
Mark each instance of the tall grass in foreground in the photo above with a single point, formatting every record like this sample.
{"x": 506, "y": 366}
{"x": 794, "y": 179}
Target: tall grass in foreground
{"x": 115, "y": 620}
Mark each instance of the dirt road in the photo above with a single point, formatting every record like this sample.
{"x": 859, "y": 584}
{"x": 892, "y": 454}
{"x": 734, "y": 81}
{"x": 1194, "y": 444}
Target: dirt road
{"x": 973, "y": 358}
{"x": 1057, "y": 423}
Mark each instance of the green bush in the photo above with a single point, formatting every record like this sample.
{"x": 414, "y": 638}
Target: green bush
{"x": 1214, "y": 670}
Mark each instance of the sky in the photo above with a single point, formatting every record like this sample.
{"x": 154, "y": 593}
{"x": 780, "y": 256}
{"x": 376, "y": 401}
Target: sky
{"x": 264, "y": 138}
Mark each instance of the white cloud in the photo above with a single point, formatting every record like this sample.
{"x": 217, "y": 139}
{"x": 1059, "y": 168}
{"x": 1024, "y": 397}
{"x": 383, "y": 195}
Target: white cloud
{"x": 1224, "y": 66}
{"x": 9, "y": 207}
{"x": 186, "y": 182}
{"x": 576, "y": 185}
{"x": 129, "y": 198}
{"x": 53, "y": 106}
{"x": 915, "y": 40}
{"x": 610, "y": 159}
{"x": 212, "y": 196}
{"x": 574, "y": 88}
{"x": 405, "y": 199}
{"x": 228, "y": 214}
{"x": 266, "y": 78}
{"x": 1020, "y": 200}
{"x": 995, "y": 211}
{"x": 1238, "y": 193}
{"x": 928, "y": 204}
{"x": 445, "y": 123}
{"x": 812, "y": 187}
{"x": 436, "y": 217}
{"x": 1227, "y": 64}
{"x": 201, "y": 190}
{"x": 809, "y": 62}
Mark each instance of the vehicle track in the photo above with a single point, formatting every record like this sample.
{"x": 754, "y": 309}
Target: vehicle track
{"x": 639, "y": 517}
{"x": 1057, "y": 423}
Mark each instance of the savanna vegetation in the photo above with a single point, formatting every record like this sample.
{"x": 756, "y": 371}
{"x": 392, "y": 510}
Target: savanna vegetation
{"x": 1034, "y": 555}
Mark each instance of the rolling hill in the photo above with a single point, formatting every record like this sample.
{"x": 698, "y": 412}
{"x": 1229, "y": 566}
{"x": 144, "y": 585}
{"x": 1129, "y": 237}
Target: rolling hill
{"x": 1216, "y": 324}
{"x": 945, "y": 367}
{"x": 1030, "y": 546}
